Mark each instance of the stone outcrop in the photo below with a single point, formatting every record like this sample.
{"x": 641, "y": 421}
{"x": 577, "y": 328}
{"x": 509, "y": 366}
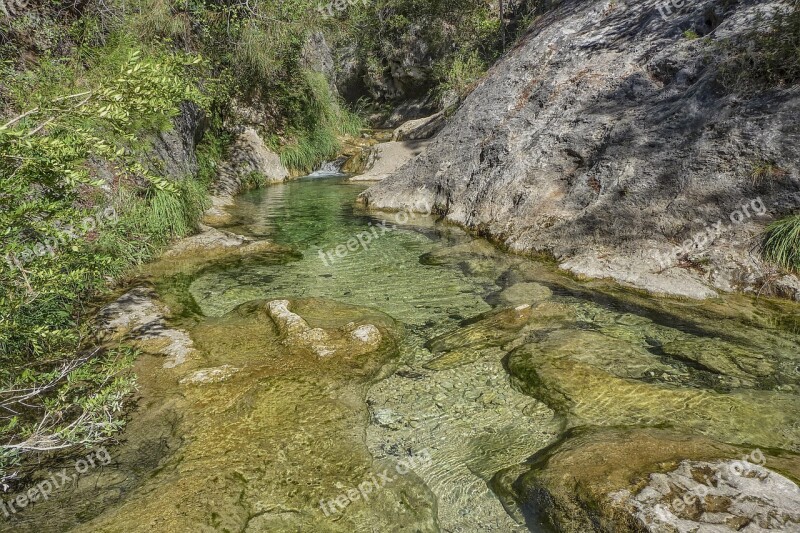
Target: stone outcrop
{"x": 605, "y": 139}
{"x": 352, "y": 340}
{"x": 632, "y": 479}
{"x": 140, "y": 318}
{"x": 383, "y": 160}
{"x": 248, "y": 157}
{"x": 422, "y": 128}
{"x": 174, "y": 152}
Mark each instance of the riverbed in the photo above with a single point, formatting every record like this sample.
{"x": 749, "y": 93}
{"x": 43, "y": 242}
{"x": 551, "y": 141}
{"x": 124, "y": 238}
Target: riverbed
{"x": 484, "y": 359}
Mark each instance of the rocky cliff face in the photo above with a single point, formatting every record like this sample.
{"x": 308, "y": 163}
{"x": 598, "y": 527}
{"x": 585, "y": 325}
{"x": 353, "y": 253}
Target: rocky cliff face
{"x": 605, "y": 139}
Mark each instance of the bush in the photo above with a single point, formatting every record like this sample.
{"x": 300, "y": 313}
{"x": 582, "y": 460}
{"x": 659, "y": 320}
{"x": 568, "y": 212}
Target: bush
{"x": 66, "y": 233}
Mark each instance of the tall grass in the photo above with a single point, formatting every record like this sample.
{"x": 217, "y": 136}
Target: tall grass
{"x": 321, "y": 119}
{"x": 782, "y": 243}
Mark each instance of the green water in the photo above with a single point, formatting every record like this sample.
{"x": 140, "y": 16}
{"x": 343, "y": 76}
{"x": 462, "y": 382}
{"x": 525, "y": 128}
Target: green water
{"x": 464, "y": 375}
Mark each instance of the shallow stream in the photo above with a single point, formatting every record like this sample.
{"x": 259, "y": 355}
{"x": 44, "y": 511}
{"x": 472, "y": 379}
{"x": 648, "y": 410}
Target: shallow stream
{"x": 485, "y": 359}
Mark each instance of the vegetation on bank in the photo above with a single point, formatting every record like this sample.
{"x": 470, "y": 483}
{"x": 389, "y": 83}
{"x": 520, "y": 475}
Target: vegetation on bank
{"x": 84, "y": 88}
{"x": 78, "y": 206}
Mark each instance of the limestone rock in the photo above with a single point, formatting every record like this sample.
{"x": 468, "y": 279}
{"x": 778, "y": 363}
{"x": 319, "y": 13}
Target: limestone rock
{"x": 386, "y": 158}
{"x": 137, "y": 317}
{"x": 627, "y": 480}
{"x": 351, "y": 340}
{"x": 421, "y": 128}
{"x": 605, "y": 139}
{"x": 250, "y": 154}
{"x": 208, "y": 376}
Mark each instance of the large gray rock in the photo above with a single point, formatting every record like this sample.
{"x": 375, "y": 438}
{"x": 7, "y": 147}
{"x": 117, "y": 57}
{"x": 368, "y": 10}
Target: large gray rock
{"x": 384, "y": 159}
{"x": 248, "y": 155}
{"x": 174, "y": 151}
{"x": 422, "y": 128}
{"x": 605, "y": 139}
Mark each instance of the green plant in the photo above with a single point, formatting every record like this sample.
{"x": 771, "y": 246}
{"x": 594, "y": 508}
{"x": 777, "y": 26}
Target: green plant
{"x": 66, "y": 233}
{"x": 457, "y": 78}
{"x": 782, "y": 243}
{"x": 763, "y": 170}
{"x": 691, "y": 34}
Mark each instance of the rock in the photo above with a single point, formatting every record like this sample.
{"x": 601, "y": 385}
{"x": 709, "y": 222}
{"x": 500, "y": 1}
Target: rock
{"x": 217, "y": 214}
{"x": 788, "y": 287}
{"x": 627, "y": 480}
{"x": 367, "y": 334}
{"x": 405, "y": 110}
{"x": 250, "y": 154}
{"x": 208, "y": 376}
{"x": 352, "y": 340}
{"x": 704, "y": 494}
{"x": 421, "y": 128}
{"x": 529, "y": 293}
{"x": 138, "y": 318}
{"x": 384, "y": 159}
{"x": 210, "y": 245}
{"x": 591, "y": 379}
{"x": 605, "y": 140}
{"x": 386, "y": 417}
{"x": 175, "y": 153}
{"x": 317, "y": 56}
{"x": 488, "y": 329}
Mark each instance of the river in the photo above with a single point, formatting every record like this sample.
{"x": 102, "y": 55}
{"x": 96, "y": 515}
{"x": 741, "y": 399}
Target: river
{"x": 485, "y": 358}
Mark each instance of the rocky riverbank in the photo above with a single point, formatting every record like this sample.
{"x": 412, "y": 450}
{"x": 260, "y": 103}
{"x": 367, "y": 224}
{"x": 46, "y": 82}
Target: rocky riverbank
{"x": 607, "y": 140}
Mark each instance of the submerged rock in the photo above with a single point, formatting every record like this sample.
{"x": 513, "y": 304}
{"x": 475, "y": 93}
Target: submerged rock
{"x": 464, "y": 344}
{"x": 734, "y": 495}
{"x": 210, "y": 375}
{"x": 525, "y": 293}
{"x": 352, "y": 339}
{"x": 138, "y": 317}
{"x": 208, "y": 247}
{"x": 274, "y": 447}
{"x": 601, "y": 381}
{"x": 635, "y": 479}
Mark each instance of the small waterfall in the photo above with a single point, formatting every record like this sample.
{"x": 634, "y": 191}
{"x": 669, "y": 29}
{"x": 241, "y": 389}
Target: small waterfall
{"x": 330, "y": 168}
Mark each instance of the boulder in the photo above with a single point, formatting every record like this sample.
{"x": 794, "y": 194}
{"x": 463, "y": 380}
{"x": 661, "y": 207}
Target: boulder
{"x": 605, "y": 139}
{"x": 423, "y": 128}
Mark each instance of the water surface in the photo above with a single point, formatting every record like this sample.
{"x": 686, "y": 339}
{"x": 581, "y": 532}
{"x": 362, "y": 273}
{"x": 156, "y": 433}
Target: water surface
{"x": 487, "y": 358}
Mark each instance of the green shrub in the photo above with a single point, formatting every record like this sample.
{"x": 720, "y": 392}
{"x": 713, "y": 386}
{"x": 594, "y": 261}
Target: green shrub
{"x": 460, "y": 76}
{"x": 66, "y": 234}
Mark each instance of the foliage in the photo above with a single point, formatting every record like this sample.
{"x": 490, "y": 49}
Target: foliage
{"x": 763, "y": 170}
{"x": 691, "y": 35}
{"x": 782, "y": 243}
{"x": 459, "y": 35}
{"x": 460, "y": 76}
{"x": 66, "y": 232}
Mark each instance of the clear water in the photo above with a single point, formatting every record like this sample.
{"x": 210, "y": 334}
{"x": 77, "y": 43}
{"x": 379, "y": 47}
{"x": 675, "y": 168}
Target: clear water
{"x": 470, "y": 379}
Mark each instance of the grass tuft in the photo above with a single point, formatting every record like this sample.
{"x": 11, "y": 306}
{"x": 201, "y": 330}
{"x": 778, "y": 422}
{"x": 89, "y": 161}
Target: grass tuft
{"x": 782, "y": 243}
